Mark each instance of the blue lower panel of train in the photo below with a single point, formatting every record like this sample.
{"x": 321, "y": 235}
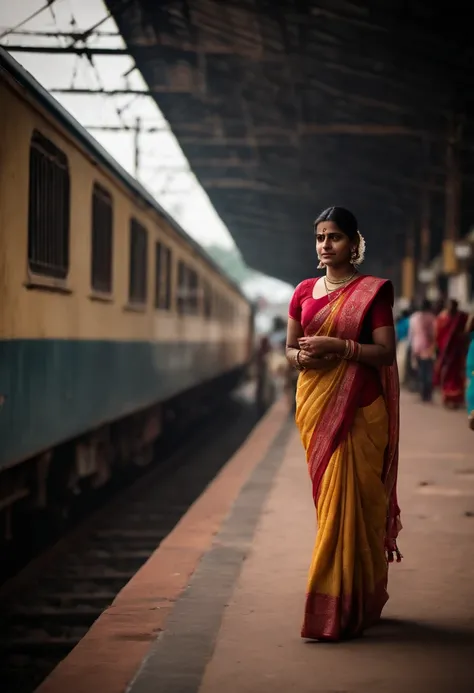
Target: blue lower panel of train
{"x": 54, "y": 390}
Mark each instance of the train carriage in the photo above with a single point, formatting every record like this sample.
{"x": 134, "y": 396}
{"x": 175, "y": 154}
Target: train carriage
{"x": 109, "y": 311}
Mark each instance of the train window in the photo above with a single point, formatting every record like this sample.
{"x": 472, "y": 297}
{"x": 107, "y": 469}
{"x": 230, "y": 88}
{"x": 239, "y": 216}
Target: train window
{"x": 102, "y": 240}
{"x": 188, "y": 290}
{"x": 182, "y": 287}
{"x": 48, "y": 209}
{"x": 207, "y": 300}
{"x": 193, "y": 292}
{"x": 138, "y": 277}
{"x": 162, "y": 276}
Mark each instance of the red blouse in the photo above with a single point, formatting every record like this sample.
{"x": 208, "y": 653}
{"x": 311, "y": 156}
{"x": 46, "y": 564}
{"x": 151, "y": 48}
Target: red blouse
{"x": 303, "y": 307}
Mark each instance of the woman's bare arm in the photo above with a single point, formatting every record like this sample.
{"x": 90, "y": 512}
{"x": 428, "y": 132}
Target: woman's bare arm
{"x": 293, "y": 332}
{"x": 380, "y": 353}
{"x": 383, "y": 351}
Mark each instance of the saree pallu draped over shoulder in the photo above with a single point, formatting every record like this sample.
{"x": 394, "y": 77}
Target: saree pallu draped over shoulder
{"x": 352, "y": 457}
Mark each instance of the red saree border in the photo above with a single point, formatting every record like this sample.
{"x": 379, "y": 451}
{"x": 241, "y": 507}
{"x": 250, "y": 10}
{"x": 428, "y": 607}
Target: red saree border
{"x": 330, "y": 618}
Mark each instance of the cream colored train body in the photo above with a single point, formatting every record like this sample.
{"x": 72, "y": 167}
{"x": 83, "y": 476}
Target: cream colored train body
{"x": 109, "y": 311}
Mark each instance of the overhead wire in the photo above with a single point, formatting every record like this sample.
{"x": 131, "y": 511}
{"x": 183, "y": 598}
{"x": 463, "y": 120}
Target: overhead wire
{"x": 34, "y": 14}
{"x": 82, "y": 37}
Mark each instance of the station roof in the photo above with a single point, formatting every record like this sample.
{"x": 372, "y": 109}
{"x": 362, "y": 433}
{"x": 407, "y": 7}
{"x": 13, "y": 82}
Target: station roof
{"x": 285, "y": 107}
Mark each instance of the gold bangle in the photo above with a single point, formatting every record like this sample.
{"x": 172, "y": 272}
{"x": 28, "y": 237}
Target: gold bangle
{"x": 352, "y": 350}
{"x": 298, "y": 365}
{"x": 349, "y": 350}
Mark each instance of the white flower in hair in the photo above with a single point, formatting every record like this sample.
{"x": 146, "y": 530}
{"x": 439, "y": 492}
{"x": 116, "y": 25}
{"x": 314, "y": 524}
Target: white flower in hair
{"x": 360, "y": 250}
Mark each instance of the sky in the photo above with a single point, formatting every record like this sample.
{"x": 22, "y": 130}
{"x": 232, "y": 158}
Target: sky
{"x": 163, "y": 168}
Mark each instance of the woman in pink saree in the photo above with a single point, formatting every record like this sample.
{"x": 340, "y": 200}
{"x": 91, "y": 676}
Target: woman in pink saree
{"x": 341, "y": 337}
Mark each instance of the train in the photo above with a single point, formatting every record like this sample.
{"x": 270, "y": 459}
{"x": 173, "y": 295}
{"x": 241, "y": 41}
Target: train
{"x": 115, "y": 326}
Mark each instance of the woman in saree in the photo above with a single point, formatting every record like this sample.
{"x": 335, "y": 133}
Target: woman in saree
{"x": 450, "y": 364}
{"x": 470, "y": 373}
{"x": 341, "y": 337}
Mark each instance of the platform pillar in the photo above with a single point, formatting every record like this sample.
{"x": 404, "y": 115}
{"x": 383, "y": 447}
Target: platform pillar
{"x": 452, "y": 197}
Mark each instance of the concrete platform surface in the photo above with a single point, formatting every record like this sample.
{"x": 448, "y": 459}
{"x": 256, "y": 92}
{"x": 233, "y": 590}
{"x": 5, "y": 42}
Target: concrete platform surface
{"x": 236, "y": 628}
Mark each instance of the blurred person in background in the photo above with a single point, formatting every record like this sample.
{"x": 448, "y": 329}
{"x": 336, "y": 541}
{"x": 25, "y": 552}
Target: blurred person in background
{"x": 278, "y": 365}
{"x": 422, "y": 336}
{"x": 264, "y": 389}
{"x": 450, "y": 365}
{"x": 290, "y": 382}
{"x": 470, "y": 372}
{"x": 403, "y": 346}
{"x": 402, "y": 325}
{"x": 439, "y": 305}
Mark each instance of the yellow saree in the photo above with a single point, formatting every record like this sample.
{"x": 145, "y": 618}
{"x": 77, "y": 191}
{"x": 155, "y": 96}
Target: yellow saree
{"x": 352, "y": 456}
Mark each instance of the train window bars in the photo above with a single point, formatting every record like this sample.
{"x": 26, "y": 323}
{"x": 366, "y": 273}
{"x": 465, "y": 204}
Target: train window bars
{"x": 102, "y": 240}
{"x": 188, "y": 290}
{"x": 48, "y": 209}
{"x": 138, "y": 277}
{"x": 162, "y": 276}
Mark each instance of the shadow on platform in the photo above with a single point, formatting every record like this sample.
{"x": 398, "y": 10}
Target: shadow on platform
{"x": 403, "y": 631}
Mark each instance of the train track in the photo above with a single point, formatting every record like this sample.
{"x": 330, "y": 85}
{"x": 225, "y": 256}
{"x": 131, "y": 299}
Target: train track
{"x": 49, "y": 606}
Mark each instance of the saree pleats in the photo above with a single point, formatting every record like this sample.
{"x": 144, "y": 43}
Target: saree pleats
{"x": 348, "y": 573}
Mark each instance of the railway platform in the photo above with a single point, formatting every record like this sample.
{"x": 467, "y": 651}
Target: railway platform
{"x": 218, "y": 607}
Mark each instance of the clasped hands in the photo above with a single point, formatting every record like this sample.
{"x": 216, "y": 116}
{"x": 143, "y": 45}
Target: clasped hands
{"x": 317, "y": 352}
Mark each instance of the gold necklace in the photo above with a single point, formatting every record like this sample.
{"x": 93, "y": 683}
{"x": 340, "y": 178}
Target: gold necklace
{"x": 330, "y": 291}
{"x": 341, "y": 281}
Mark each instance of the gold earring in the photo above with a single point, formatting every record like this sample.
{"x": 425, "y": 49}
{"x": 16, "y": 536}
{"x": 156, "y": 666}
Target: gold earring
{"x": 354, "y": 255}
{"x": 320, "y": 266}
